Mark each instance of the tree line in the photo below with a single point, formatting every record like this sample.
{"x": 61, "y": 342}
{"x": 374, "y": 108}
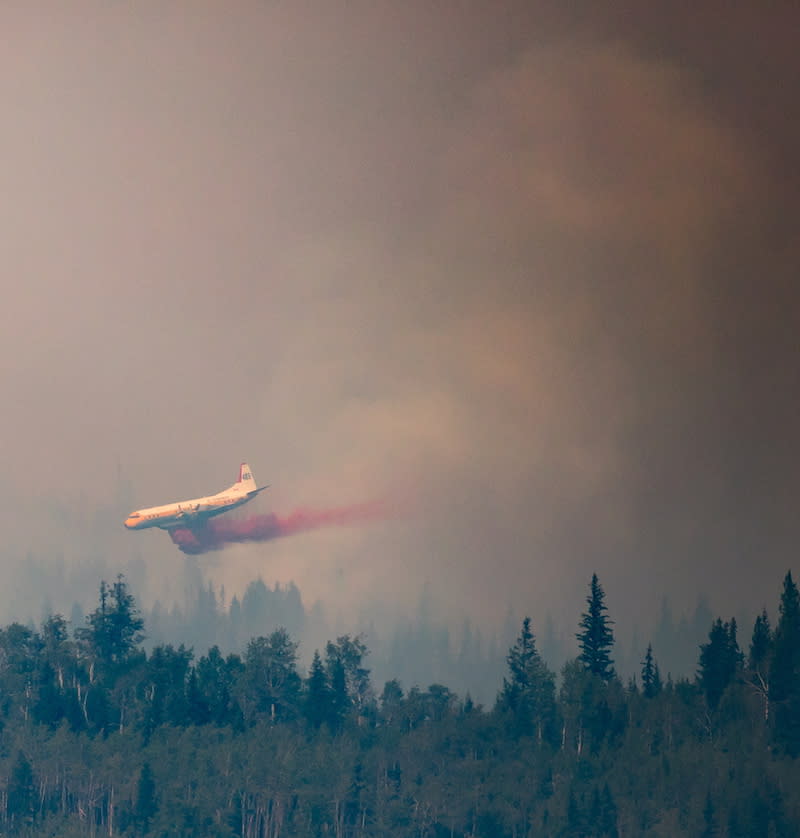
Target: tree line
{"x": 99, "y": 736}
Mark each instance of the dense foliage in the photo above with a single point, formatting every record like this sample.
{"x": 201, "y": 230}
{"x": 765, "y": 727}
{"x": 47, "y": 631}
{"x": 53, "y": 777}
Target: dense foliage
{"x": 99, "y": 737}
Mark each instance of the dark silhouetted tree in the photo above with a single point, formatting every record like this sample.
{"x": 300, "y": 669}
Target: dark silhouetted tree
{"x": 785, "y": 670}
{"x": 720, "y": 660}
{"x": 216, "y": 677}
{"x": 392, "y": 699}
{"x": 165, "y": 678}
{"x": 114, "y": 627}
{"x": 317, "y": 697}
{"x": 146, "y": 802}
{"x": 271, "y": 682}
{"x": 351, "y": 651}
{"x": 339, "y": 701}
{"x": 760, "y": 644}
{"x": 21, "y": 792}
{"x": 651, "y": 677}
{"x": 759, "y": 660}
{"x": 198, "y": 709}
{"x": 596, "y": 638}
{"x": 528, "y": 694}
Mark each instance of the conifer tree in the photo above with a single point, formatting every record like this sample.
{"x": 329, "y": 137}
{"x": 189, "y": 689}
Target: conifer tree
{"x": 651, "y": 677}
{"x": 760, "y": 643}
{"x": 785, "y": 670}
{"x": 339, "y": 697}
{"x": 529, "y": 691}
{"x": 350, "y": 653}
{"x": 317, "y": 699}
{"x": 114, "y": 627}
{"x": 758, "y": 661}
{"x": 720, "y": 660}
{"x": 596, "y": 637}
{"x": 198, "y": 711}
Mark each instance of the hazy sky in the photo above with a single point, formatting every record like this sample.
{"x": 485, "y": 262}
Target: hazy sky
{"x": 534, "y": 271}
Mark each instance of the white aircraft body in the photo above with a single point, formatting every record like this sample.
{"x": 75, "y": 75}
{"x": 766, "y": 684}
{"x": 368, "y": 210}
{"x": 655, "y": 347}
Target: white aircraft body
{"x": 189, "y": 513}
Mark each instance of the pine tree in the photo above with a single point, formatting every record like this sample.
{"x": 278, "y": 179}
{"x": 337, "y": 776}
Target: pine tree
{"x": 596, "y": 637}
{"x": 317, "y": 698}
{"x": 114, "y": 627}
{"x": 339, "y": 697}
{"x": 720, "y": 660}
{"x": 761, "y": 643}
{"x": 198, "y": 710}
{"x": 651, "y": 677}
{"x": 216, "y": 677}
{"x": 785, "y": 670}
{"x": 758, "y": 661}
{"x": 350, "y": 652}
{"x": 529, "y": 691}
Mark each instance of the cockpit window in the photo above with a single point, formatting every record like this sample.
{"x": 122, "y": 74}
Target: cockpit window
{"x": 134, "y": 515}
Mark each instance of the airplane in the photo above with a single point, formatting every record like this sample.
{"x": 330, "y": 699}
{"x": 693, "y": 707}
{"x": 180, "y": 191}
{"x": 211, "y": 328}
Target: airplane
{"x": 191, "y": 513}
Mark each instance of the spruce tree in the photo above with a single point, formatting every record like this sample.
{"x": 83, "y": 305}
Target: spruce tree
{"x": 339, "y": 698}
{"x": 350, "y": 652}
{"x": 720, "y": 660}
{"x": 115, "y": 627}
{"x": 785, "y": 670}
{"x": 651, "y": 677}
{"x": 529, "y": 691}
{"x": 596, "y": 637}
{"x": 760, "y": 643}
{"x": 758, "y": 661}
{"x": 317, "y": 699}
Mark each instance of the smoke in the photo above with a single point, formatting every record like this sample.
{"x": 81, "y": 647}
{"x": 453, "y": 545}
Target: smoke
{"x": 219, "y": 532}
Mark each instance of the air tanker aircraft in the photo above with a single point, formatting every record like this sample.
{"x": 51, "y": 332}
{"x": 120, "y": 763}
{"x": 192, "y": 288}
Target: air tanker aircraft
{"x": 189, "y": 513}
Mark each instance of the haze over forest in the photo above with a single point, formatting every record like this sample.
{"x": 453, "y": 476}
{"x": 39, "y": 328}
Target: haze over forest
{"x": 530, "y": 275}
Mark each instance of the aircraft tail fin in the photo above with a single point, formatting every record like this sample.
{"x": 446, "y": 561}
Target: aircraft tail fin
{"x": 246, "y": 482}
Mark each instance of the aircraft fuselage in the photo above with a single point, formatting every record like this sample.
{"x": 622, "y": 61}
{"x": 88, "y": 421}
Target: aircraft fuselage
{"x": 192, "y": 512}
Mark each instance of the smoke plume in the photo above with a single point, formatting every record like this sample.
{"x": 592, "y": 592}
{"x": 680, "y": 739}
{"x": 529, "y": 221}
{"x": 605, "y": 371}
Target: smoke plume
{"x": 219, "y": 532}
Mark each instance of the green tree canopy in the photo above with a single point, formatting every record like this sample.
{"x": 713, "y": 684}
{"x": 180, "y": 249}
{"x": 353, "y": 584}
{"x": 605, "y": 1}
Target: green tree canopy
{"x": 115, "y": 627}
{"x": 720, "y": 660}
{"x": 528, "y": 692}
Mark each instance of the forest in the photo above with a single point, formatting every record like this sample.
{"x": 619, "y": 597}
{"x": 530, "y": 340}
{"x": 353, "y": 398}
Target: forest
{"x": 100, "y": 736}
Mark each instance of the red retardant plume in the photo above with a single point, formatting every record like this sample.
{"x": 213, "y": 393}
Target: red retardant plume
{"x": 218, "y": 532}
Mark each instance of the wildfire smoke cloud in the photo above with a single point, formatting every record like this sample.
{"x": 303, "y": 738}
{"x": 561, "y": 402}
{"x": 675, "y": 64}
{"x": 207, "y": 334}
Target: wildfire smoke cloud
{"x": 219, "y": 532}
